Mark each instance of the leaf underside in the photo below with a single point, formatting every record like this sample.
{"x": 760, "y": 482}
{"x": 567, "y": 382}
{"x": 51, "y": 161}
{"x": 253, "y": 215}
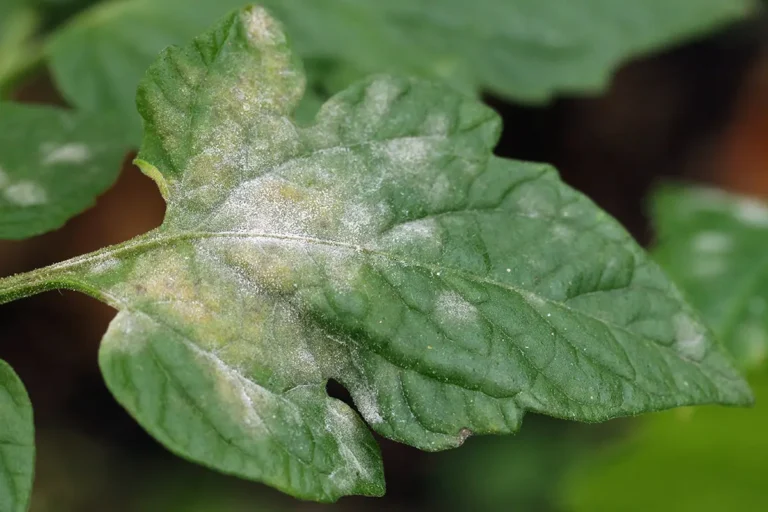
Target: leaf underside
{"x": 383, "y": 246}
{"x": 17, "y": 442}
{"x": 715, "y": 246}
{"x": 53, "y": 164}
{"x": 528, "y": 50}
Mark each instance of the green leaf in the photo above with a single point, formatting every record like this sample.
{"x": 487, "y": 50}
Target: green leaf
{"x": 18, "y": 23}
{"x": 709, "y": 459}
{"x": 528, "y": 50}
{"x": 98, "y": 59}
{"x": 383, "y": 246}
{"x": 715, "y": 245}
{"x": 17, "y": 442}
{"x": 53, "y": 164}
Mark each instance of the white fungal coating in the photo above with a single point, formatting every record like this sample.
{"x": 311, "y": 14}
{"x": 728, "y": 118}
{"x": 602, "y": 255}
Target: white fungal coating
{"x": 712, "y": 241}
{"x": 70, "y": 153}
{"x": 25, "y": 193}
{"x": 451, "y": 307}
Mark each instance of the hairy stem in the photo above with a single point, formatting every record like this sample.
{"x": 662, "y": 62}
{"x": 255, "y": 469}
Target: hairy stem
{"x": 54, "y": 277}
{"x": 70, "y": 274}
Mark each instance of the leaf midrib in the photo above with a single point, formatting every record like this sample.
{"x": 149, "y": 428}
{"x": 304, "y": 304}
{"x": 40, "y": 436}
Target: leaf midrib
{"x": 155, "y": 239}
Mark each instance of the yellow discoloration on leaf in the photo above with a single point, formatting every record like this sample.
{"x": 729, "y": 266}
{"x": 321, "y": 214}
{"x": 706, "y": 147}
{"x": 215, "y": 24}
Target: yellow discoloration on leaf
{"x": 151, "y": 171}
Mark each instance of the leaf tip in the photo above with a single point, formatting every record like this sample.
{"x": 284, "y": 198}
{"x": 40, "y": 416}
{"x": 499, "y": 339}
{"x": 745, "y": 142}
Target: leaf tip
{"x": 260, "y": 26}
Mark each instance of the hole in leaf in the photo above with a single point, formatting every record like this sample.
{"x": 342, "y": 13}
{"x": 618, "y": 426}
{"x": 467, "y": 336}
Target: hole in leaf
{"x": 336, "y": 389}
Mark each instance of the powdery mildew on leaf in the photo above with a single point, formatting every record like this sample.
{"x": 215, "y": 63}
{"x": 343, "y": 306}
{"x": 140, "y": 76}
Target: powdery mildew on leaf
{"x": 383, "y": 246}
{"x": 53, "y": 164}
{"x": 529, "y": 50}
{"x": 71, "y": 153}
{"x": 21, "y": 192}
{"x": 712, "y": 243}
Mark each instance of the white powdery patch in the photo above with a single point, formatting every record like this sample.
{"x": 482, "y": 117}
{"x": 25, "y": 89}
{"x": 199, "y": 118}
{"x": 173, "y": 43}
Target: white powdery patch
{"x": 420, "y": 233}
{"x": 437, "y": 123}
{"x": 25, "y": 193}
{"x": 71, "y": 153}
{"x": 225, "y": 145}
{"x": 342, "y": 266}
{"x": 127, "y": 334}
{"x": 105, "y": 266}
{"x": 22, "y": 193}
{"x": 752, "y": 212}
{"x": 343, "y": 424}
{"x": 360, "y": 221}
{"x": 379, "y": 96}
{"x": 451, "y": 307}
{"x": 564, "y": 233}
{"x": 270, "y": 204}
{"x": 247, "y": 400}
{"x": 304, "y": 363}
{"x": 261, "y": 27}
{"x": 532, "y": 205}
{"x": 441, "y": 192}
{"x": 689, "y": 337}
{"x": 365, "y": 400}
{"x": 407, "y": 152}
{"x": 712, "y": 241}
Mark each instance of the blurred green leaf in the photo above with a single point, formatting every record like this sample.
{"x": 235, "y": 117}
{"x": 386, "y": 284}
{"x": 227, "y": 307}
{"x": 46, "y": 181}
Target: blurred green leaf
{"x": 177, "y": 489}
{"x": 710, "y": 459}
{"x": 18, "y": 24}
{"x": 715, "y": 245}
{"x": 17, "y": 442}
{"x": 53, "y": 164}
{"x": 511, "y": 473}
{"x": 702, "y": 460}
{"x": 527, "y": 49}
{"x": 385, "y": 247}
{"x": 99, "y": 57}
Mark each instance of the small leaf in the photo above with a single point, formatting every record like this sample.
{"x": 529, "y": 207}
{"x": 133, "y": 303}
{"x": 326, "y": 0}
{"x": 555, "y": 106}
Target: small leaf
{"x": 528, "y": 50}
{"x": 686, "y": 461}
{"x": 17, "y": 442}
{"x": 715, "y": 245}
{"x": 383, "y": 246}
{"x": 53, "y": 164}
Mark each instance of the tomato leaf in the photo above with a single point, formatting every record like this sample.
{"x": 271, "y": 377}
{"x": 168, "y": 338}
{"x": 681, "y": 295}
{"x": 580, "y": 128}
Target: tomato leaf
{"x": 715, "y": 245}
{"x": 17, "y": 442}
{"x": 53, "y": 164}
{"x": 383, "y": 246}
{"x": 527, "y": 50}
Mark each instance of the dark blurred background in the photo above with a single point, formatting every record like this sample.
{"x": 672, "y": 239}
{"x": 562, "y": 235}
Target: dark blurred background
{"x": 696, "y": 112}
